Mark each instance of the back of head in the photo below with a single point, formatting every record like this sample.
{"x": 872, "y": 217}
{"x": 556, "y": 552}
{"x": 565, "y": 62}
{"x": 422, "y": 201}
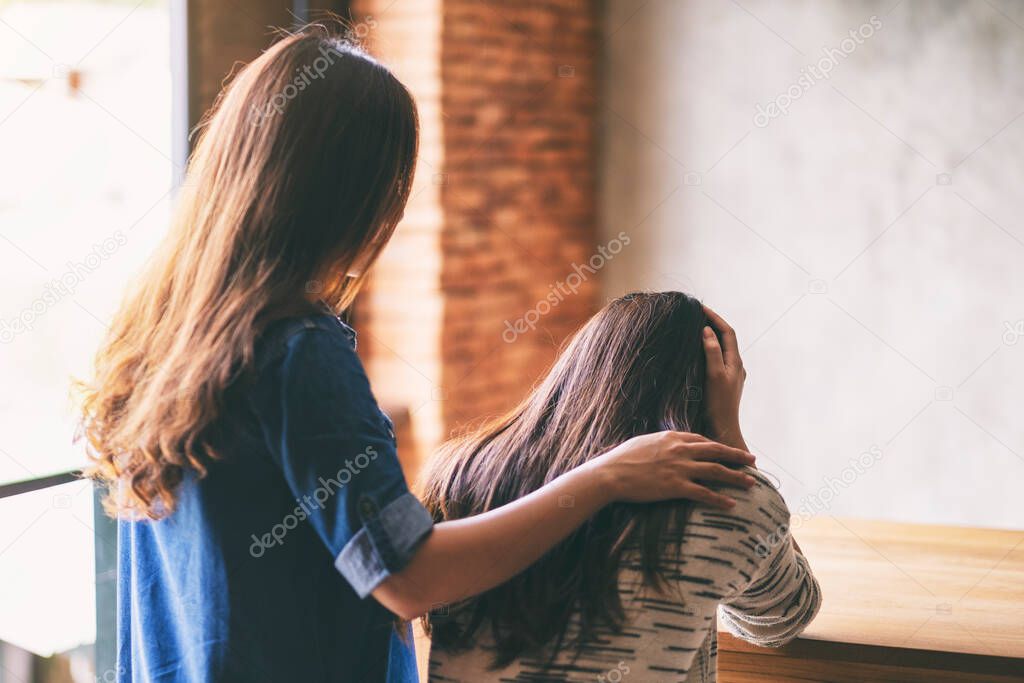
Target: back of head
{"x": 299, "y": 176}
{"x": 636, "y": 367}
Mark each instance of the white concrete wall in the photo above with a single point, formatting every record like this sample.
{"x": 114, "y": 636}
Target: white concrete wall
{"x": 871, "y": 292}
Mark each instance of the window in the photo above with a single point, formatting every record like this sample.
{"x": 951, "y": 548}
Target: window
{"x": 85, "y": 189}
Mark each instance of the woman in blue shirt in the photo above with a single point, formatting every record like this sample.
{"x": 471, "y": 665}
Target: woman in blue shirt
{"x": 266, "y": 530}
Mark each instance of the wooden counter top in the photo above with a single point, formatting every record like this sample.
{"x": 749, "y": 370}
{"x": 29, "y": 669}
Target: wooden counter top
{"x": 912, "y": 594}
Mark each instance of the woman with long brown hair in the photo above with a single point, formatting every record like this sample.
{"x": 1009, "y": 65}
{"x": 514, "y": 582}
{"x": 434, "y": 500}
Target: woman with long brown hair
{"x": 634, "y": 592}
{"x": 266, "y": 531}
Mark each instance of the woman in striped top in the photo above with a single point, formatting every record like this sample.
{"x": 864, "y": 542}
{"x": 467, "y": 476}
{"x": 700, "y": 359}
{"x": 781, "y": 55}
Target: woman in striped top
{"x": 636, "y": 593}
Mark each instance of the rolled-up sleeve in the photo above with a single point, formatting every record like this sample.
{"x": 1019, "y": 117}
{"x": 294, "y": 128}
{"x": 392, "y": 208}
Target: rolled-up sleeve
{"x": 336, "y": 450}
{"x": 384, "y": 544}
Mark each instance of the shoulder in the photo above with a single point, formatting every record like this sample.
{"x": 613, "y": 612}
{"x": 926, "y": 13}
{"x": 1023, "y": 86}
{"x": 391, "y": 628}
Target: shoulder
{"x": 310, "y": 364}
{"x": 762, "y": 503}
{"x": 319, "y": 345}
{"x": 751, "y": 530}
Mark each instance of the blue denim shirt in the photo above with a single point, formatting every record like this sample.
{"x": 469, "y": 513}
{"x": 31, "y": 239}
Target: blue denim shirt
{"x": 263, "y": 571}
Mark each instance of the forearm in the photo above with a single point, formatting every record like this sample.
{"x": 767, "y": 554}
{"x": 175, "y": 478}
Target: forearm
{"x": 778, "y": 607}
{"x": 468, "y": 556}
{"x": 730, "y": 435}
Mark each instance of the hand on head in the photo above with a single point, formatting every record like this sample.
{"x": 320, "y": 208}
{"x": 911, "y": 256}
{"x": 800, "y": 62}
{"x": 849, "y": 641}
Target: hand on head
{"x": 723, "y": 383}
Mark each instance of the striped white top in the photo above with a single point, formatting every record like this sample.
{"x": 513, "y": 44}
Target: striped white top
{"x": 737, "y": 566}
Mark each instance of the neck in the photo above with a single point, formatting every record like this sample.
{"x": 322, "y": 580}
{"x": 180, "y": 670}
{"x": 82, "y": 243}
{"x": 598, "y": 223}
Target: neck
{"x": 293, "y": 309}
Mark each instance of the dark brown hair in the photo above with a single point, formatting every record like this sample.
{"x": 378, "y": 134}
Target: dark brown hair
{"x": 636, "y": 367}
{"x": 299, "y": 177}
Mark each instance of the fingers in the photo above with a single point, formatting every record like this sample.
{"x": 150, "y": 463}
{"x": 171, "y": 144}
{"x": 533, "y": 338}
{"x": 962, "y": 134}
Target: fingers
{"x": 711, "y": 471}
{"x": 689, "y": 437}
{"x": 699, "y": 447}
{"x": 730, "y": 346}
{"x": 713, "y": 353}
{"x": 705, "y": 495}
{"x": 718, "y": 452}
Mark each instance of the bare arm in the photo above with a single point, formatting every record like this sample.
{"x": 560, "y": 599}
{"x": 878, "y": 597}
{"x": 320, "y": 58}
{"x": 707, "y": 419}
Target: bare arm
{"x": 465, "y": 557}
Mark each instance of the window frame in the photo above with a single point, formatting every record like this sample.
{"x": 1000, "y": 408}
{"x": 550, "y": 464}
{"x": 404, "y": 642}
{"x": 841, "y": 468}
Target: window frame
{"x": 104, "y": 527}
{"x": 184, "y": 99}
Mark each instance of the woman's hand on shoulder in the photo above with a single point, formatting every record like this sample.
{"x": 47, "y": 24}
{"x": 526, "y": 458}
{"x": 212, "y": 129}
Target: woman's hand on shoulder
{"x": 667, "y": 465}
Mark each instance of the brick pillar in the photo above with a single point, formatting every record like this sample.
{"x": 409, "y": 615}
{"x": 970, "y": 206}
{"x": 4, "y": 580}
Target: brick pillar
{"x": 400, "y": 314}
{"x": 503, "y": 206}
{"x": 519, "y": 128}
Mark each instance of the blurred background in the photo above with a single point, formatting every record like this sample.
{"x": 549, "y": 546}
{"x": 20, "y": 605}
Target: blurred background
{"x": 839, "y": 179}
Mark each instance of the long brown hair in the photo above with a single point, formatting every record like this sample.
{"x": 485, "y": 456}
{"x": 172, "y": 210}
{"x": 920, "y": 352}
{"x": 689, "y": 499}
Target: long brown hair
{"x": 636, "y": 367}
{"x": 300, "y": 175}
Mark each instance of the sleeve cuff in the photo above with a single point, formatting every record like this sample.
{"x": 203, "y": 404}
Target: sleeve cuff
{"x": 385, "y": 544}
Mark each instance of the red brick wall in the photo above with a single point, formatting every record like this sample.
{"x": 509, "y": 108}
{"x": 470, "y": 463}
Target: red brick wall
{"x": 518, "y": 82}
{"x": 503, "y": 206}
